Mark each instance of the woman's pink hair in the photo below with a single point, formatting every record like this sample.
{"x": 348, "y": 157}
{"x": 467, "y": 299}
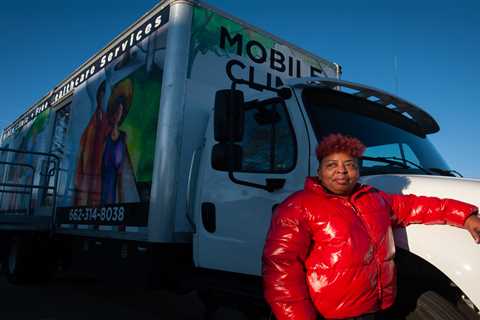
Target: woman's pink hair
{"x": 337, "y": 142}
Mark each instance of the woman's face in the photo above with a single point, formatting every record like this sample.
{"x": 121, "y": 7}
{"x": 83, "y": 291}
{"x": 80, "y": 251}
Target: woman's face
{"x": 117, "y": 116}
{"x": 339, "y": 173}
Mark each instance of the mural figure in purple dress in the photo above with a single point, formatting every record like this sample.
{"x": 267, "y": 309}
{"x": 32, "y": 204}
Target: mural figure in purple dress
{"x": 117, "y": 177}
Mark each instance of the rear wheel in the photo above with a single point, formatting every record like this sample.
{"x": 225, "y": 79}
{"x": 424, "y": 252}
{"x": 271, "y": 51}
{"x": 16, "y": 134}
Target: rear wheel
{"x": 29, "y": 259}
{"x": 18, "y": 267}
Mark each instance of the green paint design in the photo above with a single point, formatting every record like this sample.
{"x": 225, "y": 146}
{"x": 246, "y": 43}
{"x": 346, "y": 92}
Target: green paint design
{"x": 29, "y": 133}
{"x": 206, "y": 35}
{"x": 39, "y": 124}
{"x": 140, "y": 125}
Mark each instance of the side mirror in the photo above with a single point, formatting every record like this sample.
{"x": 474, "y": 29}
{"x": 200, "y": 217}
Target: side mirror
{"x": 229, "y": 116}
{"x": 227, "y": 157}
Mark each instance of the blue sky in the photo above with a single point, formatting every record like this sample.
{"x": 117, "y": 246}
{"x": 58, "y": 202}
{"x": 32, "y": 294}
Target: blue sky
{"x": 436, "y": 45}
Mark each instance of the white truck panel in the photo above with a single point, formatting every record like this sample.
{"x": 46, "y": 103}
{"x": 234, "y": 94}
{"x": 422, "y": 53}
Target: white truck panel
{"x": 451, "y": 250}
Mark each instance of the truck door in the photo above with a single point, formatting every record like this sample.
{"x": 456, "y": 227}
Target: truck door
{"x": 232, "y": 219}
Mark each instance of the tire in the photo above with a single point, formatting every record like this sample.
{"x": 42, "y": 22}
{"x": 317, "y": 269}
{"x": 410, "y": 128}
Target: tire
{"x": 432, "y": 306}
{"x": 469, "y": 312}
{"x": 17, "y": 263}
{"x": 28, "y": 260}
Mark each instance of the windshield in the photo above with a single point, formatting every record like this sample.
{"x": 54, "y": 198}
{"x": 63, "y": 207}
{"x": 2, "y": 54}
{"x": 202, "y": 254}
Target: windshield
{"x": 386, "y": 134}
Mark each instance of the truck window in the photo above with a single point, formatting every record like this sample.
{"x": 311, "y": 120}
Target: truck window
{"x": 384, "y": 132}
{"x": 269, "y": 142}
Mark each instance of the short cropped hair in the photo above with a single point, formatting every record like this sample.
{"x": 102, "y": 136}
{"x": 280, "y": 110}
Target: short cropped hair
{"x": 337, "y": 142}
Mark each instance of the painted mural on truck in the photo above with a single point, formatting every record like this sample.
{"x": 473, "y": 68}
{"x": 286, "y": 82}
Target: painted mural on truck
{"x": 248, "y": 54}
{"x": 22, "y": 169}
{"x": 60, "y": 93}
{"x": 108, "y": 149}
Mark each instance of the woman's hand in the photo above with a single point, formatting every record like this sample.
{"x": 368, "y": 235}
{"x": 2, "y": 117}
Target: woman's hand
{"x": 472, "y": 224}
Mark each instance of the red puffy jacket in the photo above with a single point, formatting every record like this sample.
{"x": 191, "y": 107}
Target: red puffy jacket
{"x": 333, "y": 255}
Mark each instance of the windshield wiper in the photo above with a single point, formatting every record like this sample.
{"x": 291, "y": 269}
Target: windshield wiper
{"x": 450, "y": 173}
{"x": 394, "y": 161}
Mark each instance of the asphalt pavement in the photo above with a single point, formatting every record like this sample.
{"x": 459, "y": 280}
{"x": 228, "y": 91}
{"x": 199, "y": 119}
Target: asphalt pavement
{"x": 72, "y": 296}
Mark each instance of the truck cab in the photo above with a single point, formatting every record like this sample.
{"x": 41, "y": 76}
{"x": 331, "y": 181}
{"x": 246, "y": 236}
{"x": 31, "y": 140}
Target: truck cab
{"x": 259, "y": 151}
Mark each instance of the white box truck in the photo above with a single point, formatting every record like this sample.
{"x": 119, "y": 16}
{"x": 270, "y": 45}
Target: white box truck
{"x": 179, "y": 138}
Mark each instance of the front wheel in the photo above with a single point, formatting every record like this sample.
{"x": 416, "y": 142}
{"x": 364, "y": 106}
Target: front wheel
{"x": 432, "y": 306}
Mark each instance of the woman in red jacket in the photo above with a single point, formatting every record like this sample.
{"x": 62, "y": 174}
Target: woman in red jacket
{"x": 330, "y": 247}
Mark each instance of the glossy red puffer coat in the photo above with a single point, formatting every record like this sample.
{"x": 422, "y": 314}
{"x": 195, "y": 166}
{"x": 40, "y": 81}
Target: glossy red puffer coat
{"x": 333, "y": 256}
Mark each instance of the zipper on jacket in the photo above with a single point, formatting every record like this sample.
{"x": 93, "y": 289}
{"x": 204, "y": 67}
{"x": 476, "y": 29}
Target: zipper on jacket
{"x": 375, "y": 249}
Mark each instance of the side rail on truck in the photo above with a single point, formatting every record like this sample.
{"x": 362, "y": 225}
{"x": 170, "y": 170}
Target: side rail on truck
{"x": 28, "y": 189}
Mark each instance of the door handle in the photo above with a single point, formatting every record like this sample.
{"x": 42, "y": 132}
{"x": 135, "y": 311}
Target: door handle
{"x": 209, "y": 217}
{"x": 274, "y": 184}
